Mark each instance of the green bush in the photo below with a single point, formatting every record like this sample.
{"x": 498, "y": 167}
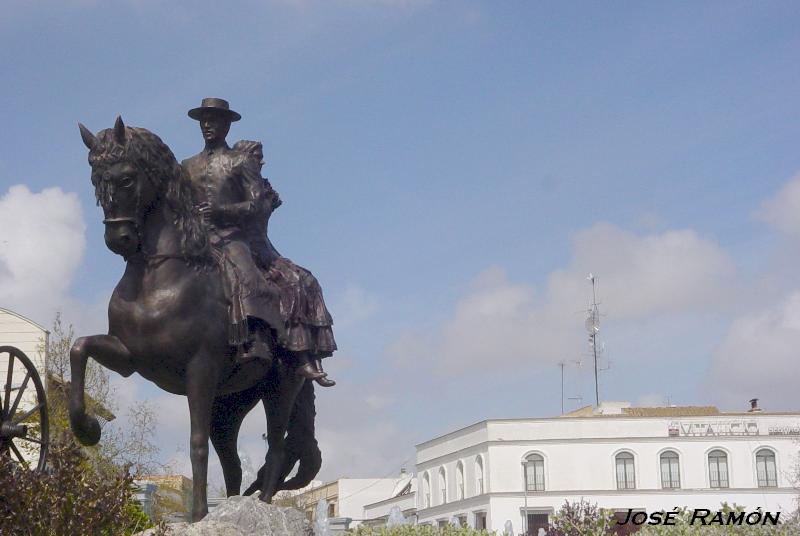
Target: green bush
{"x": 69, "y": 498}
{"x": 581, "y": 519}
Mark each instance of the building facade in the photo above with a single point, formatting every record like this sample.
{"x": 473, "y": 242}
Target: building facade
{"x": 346, "y": 498}
{"x": 645, "y": 459}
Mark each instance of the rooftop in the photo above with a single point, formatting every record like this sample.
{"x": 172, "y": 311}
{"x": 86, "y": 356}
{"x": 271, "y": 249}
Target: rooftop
{"x": 624, "y": 409}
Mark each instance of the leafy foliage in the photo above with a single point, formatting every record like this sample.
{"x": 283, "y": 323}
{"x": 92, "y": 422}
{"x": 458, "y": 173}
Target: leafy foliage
{"x": 134, "y": 446}
{"x": 581, "y": 519}
{"x": 67, "y": 499}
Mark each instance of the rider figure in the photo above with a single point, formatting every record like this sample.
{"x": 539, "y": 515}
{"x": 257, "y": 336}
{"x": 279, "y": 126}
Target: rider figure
{"x": 227, "y": 186}
{"x": 306, "y": 319}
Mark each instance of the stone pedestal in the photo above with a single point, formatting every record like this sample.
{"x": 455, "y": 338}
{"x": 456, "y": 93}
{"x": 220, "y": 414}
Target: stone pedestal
{"x": 243, "y": 516}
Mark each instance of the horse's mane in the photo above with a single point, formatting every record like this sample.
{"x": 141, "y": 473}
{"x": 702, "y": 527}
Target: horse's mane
{"x": 148, "y": 153}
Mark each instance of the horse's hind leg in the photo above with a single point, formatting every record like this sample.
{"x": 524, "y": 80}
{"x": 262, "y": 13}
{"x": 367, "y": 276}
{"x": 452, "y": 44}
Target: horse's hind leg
{"x": 227, "y": 415}
{"x": 109, "y": 352}
{"x": 278, "y": 403}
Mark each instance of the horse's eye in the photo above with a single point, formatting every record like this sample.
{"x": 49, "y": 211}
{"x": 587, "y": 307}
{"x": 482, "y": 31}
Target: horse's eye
{"x": 126, "y": 182}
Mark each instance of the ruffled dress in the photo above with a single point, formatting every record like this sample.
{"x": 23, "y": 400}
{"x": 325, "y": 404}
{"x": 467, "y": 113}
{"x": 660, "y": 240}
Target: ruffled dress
{"x": 307, "y": 322}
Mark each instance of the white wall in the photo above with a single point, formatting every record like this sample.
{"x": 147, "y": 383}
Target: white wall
{"x": 24, "y": 334}
{"x": 354, "y": 493}
{"x": 579, "y": 455}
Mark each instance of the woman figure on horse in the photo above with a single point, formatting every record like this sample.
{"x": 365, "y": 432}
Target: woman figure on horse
{"x": 307, "y": 323}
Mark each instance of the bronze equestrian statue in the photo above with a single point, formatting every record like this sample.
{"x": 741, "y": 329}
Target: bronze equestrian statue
{"x": 198, "y": 311}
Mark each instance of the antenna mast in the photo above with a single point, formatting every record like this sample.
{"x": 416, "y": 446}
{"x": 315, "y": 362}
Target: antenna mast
{"x": 561, "y": 366}
{"x": 593, "y": 327}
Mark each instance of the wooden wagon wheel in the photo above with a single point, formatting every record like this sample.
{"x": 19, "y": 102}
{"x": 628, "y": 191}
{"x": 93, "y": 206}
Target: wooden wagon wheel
{"x": 23, "y": 411}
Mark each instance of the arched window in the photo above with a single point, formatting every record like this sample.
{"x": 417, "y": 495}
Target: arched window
{"x": 426, "y": 491}
{"x": 718, "y": 469}
{"x": 670, "y": 470}
{"x": 626, "y": 478}
{"x": 459, "y": 481}
{"x": 442, "y": 486}
{"x": 478, "y": 476}
{"x": 766, "y": 470}
{"x": 534, "y": 473}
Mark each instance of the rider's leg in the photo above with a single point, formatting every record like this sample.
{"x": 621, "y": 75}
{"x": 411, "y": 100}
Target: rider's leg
{"x": 259, "y": 302}
{"x": 324, "y": 381}
{"x": 109, "y": 352}
{"x": 304, "y": 367}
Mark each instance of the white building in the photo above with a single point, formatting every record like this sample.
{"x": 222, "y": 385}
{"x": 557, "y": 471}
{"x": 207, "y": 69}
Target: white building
{"x": 402, "y": 497}
{"x": 346, "y": 498}
{"x": 31, "y": 338}
{"x": 619, "y": 457}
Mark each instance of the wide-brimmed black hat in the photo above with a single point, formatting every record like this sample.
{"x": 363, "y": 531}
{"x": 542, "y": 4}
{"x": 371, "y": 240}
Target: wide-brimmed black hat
{"x": 213, "y": 103}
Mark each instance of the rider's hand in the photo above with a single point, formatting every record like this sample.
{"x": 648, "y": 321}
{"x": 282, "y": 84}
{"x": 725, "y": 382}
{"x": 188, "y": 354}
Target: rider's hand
{"x": 204, "y": 209}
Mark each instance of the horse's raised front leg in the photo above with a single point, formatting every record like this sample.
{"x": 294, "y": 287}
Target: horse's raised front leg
{"x": 202, "y": 374}
{"x": 109, "y": 352}
{"x": 278, "y": 404}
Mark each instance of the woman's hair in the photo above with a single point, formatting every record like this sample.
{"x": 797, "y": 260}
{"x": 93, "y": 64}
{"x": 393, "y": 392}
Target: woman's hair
{"x": 248, "y": 147}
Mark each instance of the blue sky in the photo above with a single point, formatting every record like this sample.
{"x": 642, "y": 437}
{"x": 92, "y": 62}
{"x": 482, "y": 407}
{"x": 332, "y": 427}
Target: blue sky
{"x": 451, "y": 172}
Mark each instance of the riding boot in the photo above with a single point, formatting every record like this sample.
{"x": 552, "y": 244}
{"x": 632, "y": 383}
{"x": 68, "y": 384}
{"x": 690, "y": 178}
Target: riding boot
{"x": 323, "y": 381}
{"x": 259, "y": 344}
{"x": 306, "y": 369}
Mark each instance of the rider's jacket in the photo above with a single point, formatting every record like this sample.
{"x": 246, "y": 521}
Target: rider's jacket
{"x": 231, "y": 184}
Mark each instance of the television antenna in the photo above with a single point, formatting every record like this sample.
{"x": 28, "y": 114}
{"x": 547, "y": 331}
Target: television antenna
{"x": 593, "y": 327}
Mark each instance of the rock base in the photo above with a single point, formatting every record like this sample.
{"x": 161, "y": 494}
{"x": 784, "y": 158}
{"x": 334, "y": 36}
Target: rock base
{"x": 243, "y": 516}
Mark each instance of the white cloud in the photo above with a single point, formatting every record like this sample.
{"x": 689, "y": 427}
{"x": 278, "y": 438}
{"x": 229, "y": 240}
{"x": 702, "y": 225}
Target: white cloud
{"x": 782, "y": 211}
{"x": 673, "y": 271}
{"x": 353, "y": 306}
{"x": 756, "y": 357}
{"x": 42, "y": 243}
{"x": 505, "y": 323}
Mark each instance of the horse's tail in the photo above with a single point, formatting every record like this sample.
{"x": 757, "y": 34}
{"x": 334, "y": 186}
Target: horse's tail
{"x": 301, "y": 444}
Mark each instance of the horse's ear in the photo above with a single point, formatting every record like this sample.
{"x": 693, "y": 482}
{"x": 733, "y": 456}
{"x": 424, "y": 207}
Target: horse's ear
{"x": 119, "y": 131}
{"x": 89, "y": 140}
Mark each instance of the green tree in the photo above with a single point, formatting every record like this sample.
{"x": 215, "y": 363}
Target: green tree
{"x": 133, "y": 446}
{"x": 68, "y": 499}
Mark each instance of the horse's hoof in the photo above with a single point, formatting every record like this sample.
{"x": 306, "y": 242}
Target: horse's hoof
{"x": 265, "y": 497}
{"x": 87, "y": 430}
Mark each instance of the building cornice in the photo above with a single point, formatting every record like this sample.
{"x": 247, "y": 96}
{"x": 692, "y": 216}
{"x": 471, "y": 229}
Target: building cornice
{"x": 483, "y": 446}
{"x": 717, "y": 416}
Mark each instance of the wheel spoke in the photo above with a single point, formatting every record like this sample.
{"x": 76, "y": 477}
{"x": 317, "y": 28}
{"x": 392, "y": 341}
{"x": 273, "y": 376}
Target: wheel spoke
{"x": 32, "y": 440}
{"x": 19, "y": 455}
{"x": 19, "y": 418}
{"x": 19, "y": 396}
{"x": 9, "y": 376}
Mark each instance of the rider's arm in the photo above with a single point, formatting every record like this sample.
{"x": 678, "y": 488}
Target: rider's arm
{"x": 252, "y": 189}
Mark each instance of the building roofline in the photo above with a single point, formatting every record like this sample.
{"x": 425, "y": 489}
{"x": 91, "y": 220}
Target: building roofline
{"x": 25, "y": 318}
{"x": 564, "y": 418}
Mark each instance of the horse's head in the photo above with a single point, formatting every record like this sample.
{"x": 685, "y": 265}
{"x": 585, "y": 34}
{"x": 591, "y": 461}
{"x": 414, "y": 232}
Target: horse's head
{"x": 131, "y": 170}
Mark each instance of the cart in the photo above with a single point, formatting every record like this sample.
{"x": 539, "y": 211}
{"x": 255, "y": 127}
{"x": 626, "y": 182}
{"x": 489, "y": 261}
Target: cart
{"x": 23, "y": 411}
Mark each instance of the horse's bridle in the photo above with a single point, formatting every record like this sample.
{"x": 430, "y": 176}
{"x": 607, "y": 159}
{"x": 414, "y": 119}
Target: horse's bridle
{"x": 136, "y": 222}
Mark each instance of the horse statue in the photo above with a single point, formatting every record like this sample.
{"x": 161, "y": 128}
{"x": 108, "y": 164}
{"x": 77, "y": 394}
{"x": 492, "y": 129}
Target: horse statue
{"x": 168, "y": 318}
